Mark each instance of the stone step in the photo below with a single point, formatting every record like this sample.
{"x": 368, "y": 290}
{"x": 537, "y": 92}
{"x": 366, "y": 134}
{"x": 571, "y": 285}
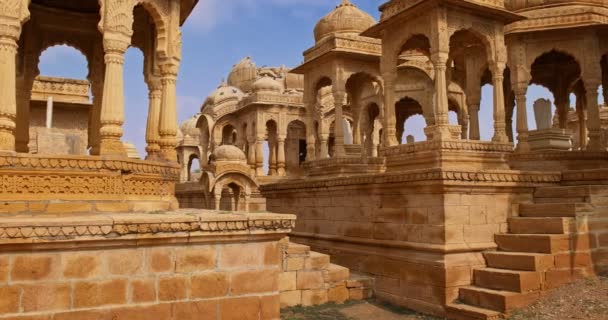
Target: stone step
{"x": 562, "y": 192}
{"x": 297, "y": 249}
{"x": 501, "y": 301}
{"x": 540, "y": 210}
{"x": 335, "y": 273}
{"x": 509, "y": 280}
{"x": 456, "y": 311}
{"x": 519, "y": 261}
{"x": 540, "y": 225}
{"x": 316, "y": 261}
{"x": 534, "y": 243}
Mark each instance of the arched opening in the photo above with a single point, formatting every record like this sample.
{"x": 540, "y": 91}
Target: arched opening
{"x": 416, "y": 50}
{"x": 468, "y": 68}
{"x": 60, "y": 103}
{"x": 295, "y": 147}
{"x": 558, "y": 72}
{"x": 136, "y": 99}
{"x": 361, "y": 88}
{"x": 347, "y": 129}
{"x": 194, "y": 168}
{"x": 229, "y": 135}
{"x": 404, "y": 110}
{"x": 230, "y": 197}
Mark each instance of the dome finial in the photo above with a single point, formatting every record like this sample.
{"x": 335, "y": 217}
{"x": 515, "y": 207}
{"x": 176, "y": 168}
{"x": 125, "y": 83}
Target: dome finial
{"x": 345, "y": 3}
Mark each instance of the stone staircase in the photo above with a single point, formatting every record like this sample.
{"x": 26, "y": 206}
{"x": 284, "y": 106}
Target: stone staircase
{"x": 547, "y": 246}
{"x": 308, "y": 278}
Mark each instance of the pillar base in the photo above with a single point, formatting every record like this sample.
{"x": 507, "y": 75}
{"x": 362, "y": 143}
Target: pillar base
{"x": 7, "y": 142}
{"x": 443, "y": 132}
{"x": 112, "y": 148}
{"x": 169, "y": 155}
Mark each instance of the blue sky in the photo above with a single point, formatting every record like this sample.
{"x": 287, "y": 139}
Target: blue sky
{"x": 220, "y": 33}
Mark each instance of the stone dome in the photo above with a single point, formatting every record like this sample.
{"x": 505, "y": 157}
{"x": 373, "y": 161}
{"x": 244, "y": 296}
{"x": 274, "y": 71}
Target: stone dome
{"x": 267, "y": 84}
{"x": 243, "y": 74}
{"x": 223, "y": 93}
{"x": 346, "y": 18}
{"x": 188, "y": 127}
{"x": 229, "y": 153}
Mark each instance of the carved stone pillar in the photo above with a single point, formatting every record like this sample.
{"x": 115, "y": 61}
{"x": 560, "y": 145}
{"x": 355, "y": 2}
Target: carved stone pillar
{"x": 113, "y": 101}
{"x": 8, "y": 97}
{"x": 152, "y": 128}
{"x": 95, "y": 114}
{"x": 324, "y": 146}
{"x": 281, "y": 156}
{"x": 474, "y": 122}
{"x": 500, "y": 133}
{"x": 259, "y": 156}
{"x": 464, "y": 123}
{"x": 168, "y": 111}
{"x": 562, "y": 103}
{"x": 272, "y": 154}
{"x": 582, "y": 123}
{"x": 593, "y": 115}
{"x": 251, "y": 156}
{"x": 441, "y": 88}
{"x": 339, "y": 124}
{"x": 522, "y": 118}
{"x": 390, "y": 137}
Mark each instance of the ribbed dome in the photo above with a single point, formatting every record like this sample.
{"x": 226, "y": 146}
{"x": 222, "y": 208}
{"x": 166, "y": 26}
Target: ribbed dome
{"x": 243, "y": 74}
{"x": 222, "y": 93}
{"x": 229, "y": 153}
{"x": 188, "y": 127}
{"x": 346, "y": 18}
{"x": 267, "y": 84}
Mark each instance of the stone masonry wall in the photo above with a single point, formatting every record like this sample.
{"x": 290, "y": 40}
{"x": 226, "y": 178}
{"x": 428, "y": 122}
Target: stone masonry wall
{"x": 174, "y": 266}
{"x": 234, "y": 281}
{"x": 420, "y": 240}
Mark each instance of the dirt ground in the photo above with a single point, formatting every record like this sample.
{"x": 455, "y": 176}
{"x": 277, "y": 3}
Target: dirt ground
{"x": 582, "y": 300}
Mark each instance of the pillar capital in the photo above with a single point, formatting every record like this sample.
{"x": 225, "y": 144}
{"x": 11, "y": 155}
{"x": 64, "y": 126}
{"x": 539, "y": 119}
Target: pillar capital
{"x": 116, "y": 43}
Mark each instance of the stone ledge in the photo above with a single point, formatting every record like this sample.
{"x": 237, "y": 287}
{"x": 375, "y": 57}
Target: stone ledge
{"x": 28, "y": 229}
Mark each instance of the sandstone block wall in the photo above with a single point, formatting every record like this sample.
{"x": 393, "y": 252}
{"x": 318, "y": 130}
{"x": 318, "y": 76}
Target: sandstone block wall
{"x": 419, "y": 240}
{"x": 161, "y": 267}
{"x": 233, "y": 281}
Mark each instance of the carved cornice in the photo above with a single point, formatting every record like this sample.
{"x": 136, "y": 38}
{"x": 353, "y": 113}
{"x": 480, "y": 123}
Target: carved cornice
{"x": 437, "y": 175}
{"x": 557, "y": 17}
{"x": 395, "y": 7}
{"x": 347, "y": 44}
{"x": 182, "y": 223}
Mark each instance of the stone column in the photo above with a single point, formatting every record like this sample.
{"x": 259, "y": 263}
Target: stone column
{"x": 152, "y": 128}
{"x": 49, "y": 112}
{"x": 390, "y": 122}
{"x": 582, "y": 123}
{"x": 562, "y": 103}
{"x": 500, "y": 133}
{"x": 339, "y": 124}
{"x": 593, "y": 116}
{"x": 324, "y": 146}
{"x": 168, "y": 112}
{"x": 251, "y": 156}
{"x": 281, "y": 156}
{"x": 441, "y": 89}
{"x": 8, "y": 88}
{"x": 522, "y": 117}
{"x": 464, "y": 123}
{"x": 272, "y": 154}
{"x": 259, "y": 156}
{"x": 113, "y": 101}
{"x": 310, "y": 124}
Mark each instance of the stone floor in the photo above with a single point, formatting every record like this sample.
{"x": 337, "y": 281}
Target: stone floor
{"x": 365, "y": 310}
